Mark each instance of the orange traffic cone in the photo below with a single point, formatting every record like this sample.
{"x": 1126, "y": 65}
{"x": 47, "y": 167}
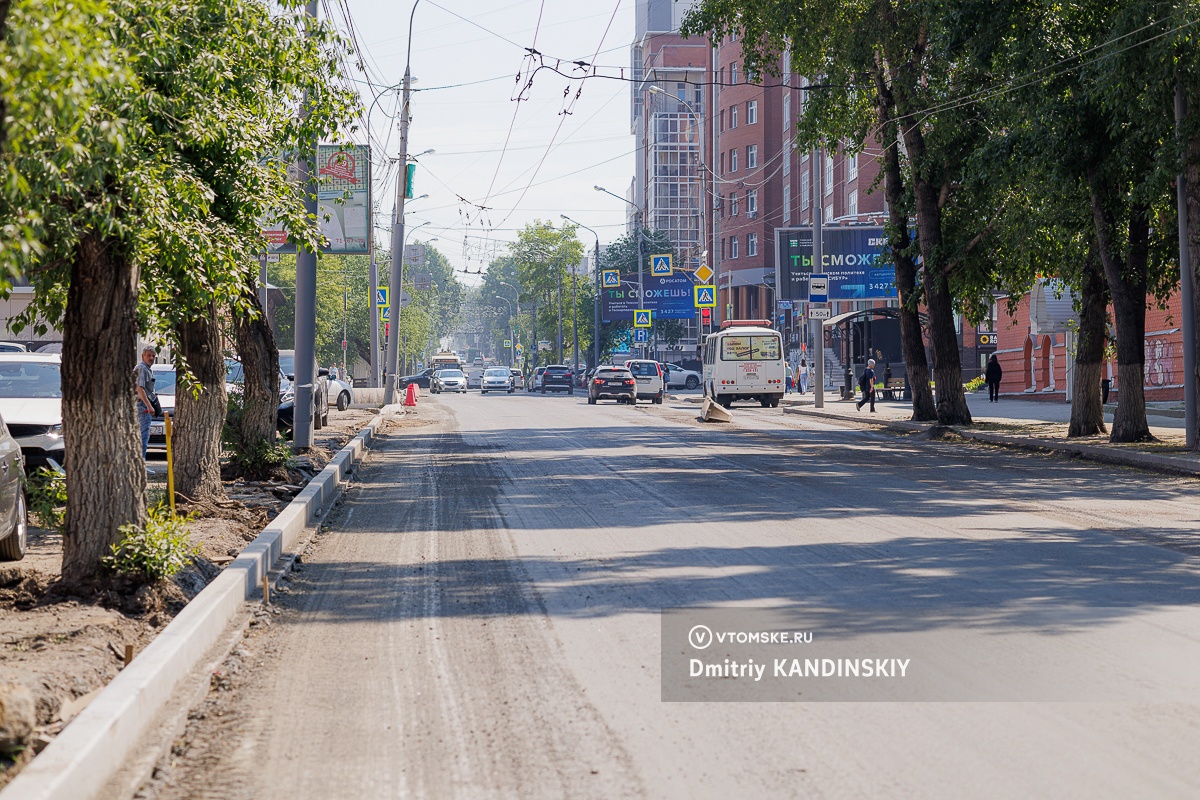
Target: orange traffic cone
{"x": 410, "y": 397}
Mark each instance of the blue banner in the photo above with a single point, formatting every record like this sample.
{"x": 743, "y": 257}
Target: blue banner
{"x": 668, "y": 296}
{"x": 852, "y": 257}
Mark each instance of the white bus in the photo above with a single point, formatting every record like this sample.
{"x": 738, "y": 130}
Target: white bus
{"x": 744, "y": 361}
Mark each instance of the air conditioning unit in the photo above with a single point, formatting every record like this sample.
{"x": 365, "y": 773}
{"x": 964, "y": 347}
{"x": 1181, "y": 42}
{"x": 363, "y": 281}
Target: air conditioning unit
{"x": 751, "y": 214}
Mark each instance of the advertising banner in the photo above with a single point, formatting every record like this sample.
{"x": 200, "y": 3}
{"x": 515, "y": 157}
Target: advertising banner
{"x": 667, "y": 296}
{"x": 345, "y": 226}
{"x": 852, "y": 258}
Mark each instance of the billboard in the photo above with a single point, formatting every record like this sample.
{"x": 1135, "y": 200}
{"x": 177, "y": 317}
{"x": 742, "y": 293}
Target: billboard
{"x": 343, "y": 172}
{"x": 853, "y": 257}
{"x": 668, "y": 296}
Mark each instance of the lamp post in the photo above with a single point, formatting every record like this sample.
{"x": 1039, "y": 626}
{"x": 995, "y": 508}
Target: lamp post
{"x": 596, "y": 304}
{"x": 637, "y": 219}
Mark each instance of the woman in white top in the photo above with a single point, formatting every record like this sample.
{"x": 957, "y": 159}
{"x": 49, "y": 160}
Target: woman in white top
{"x": 803, "y": 376}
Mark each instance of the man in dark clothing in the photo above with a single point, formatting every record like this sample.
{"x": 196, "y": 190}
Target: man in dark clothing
{"x": 867, "y": 384}
{"x": 992, "y": 376}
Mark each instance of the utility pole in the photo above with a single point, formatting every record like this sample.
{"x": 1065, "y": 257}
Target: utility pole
{"x": 558, "y": 269}
{"x": 596, "y": 304}
{"x": 818, "y": 266}
{"x": 574, "y": 321}
{"x": 1186, "y": 298}
{"x": 374, "y": 279}
{"x": 306, "y": 296}
{"x": 637, "y": 218}
{"x": 397, "y": 267}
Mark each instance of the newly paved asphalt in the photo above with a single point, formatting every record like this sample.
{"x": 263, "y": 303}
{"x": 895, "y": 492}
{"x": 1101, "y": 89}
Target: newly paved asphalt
{"x": 483, "y": 617}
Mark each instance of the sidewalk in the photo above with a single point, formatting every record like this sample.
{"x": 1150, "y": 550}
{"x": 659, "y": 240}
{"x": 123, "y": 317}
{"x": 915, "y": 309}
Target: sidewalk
{"x": 1026, "y": 424}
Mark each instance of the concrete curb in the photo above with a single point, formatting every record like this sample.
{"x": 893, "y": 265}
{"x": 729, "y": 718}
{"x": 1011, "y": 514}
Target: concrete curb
{"x": 1150, "y": 461}
{"x": 94, "y": 747}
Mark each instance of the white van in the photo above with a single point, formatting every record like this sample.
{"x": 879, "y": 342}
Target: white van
{"x": 650, "y": 383}
{"x": 744, "y": 360}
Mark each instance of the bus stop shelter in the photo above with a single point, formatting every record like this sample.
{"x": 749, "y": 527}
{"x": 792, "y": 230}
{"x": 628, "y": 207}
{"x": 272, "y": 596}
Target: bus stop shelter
{"x": 868, "y": 333}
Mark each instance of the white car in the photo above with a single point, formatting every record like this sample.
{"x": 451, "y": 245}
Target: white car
{"x": 681, "y": 378}
{"x": 496, "y": 379}
{"x": 448, "y": 380}
{"x": 341, "y": 393}
{"x": 649, "y": 375}
{"x": 31, "y": 405}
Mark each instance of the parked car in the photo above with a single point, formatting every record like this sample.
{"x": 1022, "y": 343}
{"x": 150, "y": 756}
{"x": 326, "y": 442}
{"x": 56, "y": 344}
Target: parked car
{"x": 680, "y": 378}
{"x": 535, "y": 382}
{"x": 616, "y": 383}
{"x": 164, "y": 387}
{"x": 449, "y": 380}
{"x": 497, "y": 379}
{"x": 287, "y": 366}
{"x": 284, "y": 415}
{"x": 422, "y": 379}
{"x": 649, "y": 375}
{"x": 341, "y": 391}
{"x": 31, "y": 405}
{"x": 50, "y": 347}
{"x": 14, "y": 536}
{"x": 13, "y": 347}
{"x": 557, "y": 378}
{"x": 518, "y": 379}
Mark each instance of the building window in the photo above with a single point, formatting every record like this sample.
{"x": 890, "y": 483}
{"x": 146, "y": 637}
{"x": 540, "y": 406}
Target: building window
{"x": 827, "y": 168}
{"x": 722, "y": 162}
{"x": 851, "y": 167}
{"x": 852, "y": 203}
{"x": 787, "y": 205}
{"x": 787, "y": 164}
{"x": 804, "y": 193}
{"x": 733, "y": 247}
{"x": 752, "y": 112}
{"x": 751, "y": 156}
{"x": 722, "y": 128}
{"x": 733, "y": 205}
{"x": 829, "y": 213}
{"x": 733, "y": 72}
{"x": 733, "y": 160}
{"x": 787, "y": 110}
{"x": 752, "y": 244}
{"x": 752, "y": 201}
{"x": 733, "y": 116}
{"x": 722, "y": 248}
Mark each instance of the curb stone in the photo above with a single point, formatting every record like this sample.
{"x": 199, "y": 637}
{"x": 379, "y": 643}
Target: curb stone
{"x": 93, "y": 748}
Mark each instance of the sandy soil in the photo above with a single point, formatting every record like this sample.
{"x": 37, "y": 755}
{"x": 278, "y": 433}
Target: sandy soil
{"x": 65, "y": 649}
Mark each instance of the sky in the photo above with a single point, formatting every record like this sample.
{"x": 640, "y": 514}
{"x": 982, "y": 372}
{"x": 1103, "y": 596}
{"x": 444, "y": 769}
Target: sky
{"x": 499, "y": 163}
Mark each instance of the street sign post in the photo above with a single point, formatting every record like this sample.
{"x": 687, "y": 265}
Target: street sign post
{"x": 705, "y": 296}
{"x": 818, "y": 312}
{"x": 818, "y": 288}
{"x": 383, "y": 298}
{"x": 507, "y": 343}
{"x": 661, "y": 264}
{"x": 611, "y": 279}
{"x": 643, "y": 318}
{"x": 641, "y": 336}
{"x": 385, "y": 313}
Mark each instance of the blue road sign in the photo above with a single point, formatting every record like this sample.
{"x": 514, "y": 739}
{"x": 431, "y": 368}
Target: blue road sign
{"x": 818, "y": 288}
{"x": 641, "y": 335}
{"x": 661, "y": 264}
{"x": 385, "y": 313}
{"x": 642, "y": 318}
{"x": 382, "y": 297}
{"x": 611, "y": 278}
{"x": 705, "y": 296}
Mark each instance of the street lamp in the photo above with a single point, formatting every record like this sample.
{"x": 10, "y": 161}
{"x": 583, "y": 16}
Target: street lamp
{"x": 512, "y": 344}
{"x": 637, "y": 219}
{"x": 596, "y": 304}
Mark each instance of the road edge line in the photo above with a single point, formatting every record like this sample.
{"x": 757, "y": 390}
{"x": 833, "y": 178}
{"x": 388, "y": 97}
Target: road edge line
{"x": 94, "y": 747}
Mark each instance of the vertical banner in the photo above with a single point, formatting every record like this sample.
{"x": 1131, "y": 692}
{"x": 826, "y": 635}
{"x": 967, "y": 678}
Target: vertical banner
{"x": 344, "y": 203}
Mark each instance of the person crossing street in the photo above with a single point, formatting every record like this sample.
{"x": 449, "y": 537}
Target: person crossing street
{"x": 867, "y": 384}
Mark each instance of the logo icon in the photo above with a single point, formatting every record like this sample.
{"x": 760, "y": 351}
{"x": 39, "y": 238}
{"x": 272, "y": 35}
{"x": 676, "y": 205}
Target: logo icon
{"x": 661, "y": 264}
{"x": 700, "y": 637}
{"x": 612, "y": 279}
{"x": 340, "y": 165}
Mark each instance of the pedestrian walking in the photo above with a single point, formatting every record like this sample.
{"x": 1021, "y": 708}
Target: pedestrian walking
{"x": 147, "y": 403}
{"x": 803, "y": 376}
{"x": 1105, "y": 388}
{"x": 992, "y": 376}
{"x": 789, "y": 380}
{"x": 867, "y": 384}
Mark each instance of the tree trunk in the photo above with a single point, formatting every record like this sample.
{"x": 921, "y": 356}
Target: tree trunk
{"x": 1126, "y": 277}
{"x": 200, "y": 409}
{"x": 912, "y": 342}
{"x": 255, "y": 425}
{"x": 1193, "y": 226}
{"x": 106, "y": 476}
{"x": 1087, "y": 410}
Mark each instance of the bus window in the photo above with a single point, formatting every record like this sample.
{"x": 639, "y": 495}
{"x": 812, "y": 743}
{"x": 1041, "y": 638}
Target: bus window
{"x": 750, "y": 348}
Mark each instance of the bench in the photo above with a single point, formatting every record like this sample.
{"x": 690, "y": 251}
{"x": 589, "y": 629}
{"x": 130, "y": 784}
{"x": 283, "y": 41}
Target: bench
{"x": 893, "y": 390}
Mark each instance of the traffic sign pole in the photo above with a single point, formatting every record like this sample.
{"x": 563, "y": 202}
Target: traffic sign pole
{"x": 818, "y": 262}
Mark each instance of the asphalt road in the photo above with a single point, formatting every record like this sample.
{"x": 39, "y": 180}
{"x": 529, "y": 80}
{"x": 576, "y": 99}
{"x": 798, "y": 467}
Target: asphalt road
{"x": 483, "y": 617}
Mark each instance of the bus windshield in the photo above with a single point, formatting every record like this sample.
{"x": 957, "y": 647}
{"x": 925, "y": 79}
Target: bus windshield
{"x": 750, "y": 348}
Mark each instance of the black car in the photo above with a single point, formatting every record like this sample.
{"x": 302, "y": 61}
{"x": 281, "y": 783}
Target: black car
{"x": 557, "y": 378}
{"x": 422, "y": 379}
{"x": 616, "y": 383}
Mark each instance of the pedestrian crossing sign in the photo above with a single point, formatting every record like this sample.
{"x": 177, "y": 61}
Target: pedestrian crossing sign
{"x": 611, "y": 279}
{"x": 507, "y": 344}
{"x": 661, "y": 264}
{"x": 706, "y": 296}
{"x": 382, "y": 298}
{"x": 642, "y": 318}
{"x": 641, "y": 336}
{"x": 385, "y": 313}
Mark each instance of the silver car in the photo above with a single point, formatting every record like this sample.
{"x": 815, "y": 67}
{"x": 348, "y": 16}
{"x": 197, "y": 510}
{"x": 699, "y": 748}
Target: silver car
{"x": 448, "y": 380}
{"x": 497, "y": 379}
{"x": 31, "y": 404}
{"x": 14, "y": 533}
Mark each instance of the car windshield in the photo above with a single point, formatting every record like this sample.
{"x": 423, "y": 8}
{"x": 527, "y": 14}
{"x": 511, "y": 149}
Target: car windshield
{"x": 451, "y": 373}
{"x": 30, "y": 379}
{"x": 164, "y": 381}
{"x": 496, "y": 373}
{"x": 644, "y": 369}
{"x": 613, "y": 373}
{"x": 558, "y": 370}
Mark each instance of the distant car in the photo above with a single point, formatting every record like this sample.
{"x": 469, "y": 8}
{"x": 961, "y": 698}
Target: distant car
{"x": 287, "y": 366}
{"x": 13, "y": 347}
{"x": 50, "y": 347}
{"x": 616, "y": 383}
{"x": 449, "y": 380}
{"x": 649, "y": 375}
{"x": 518, "y": 380}
{"x": 14, "y": 536}
{"x": 31, "y": 405}
{"x": 474, "y": 379}
{"x": 496, "y": 379}
{"x": 557, "y": 378}
{"x": 535, "y": 381}
{"x": 422, "y": 379}
{"x": 284, "y": 415}
{"x": 680, "y": 378}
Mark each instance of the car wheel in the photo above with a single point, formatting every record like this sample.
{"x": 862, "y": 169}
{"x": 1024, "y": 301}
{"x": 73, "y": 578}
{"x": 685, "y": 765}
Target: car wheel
{"x": 692, "y": 382}
{"x": 13, "y": 546}
{"x": 317, "y": 421}
{"x": 483, "y": 391}
{"x": 510, "y": 391}
{"x": 570, "y": 391}
{"x": 343, "y": 401}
